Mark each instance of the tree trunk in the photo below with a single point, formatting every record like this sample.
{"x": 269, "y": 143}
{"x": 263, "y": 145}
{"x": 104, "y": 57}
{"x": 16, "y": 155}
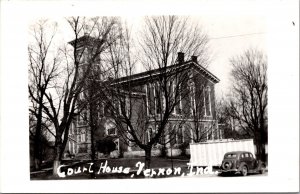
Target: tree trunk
{"x": 263, "y": 144}
{"x": 37, "y": 163}
{"x": 148, "y": 156}
{"x": 93, "y": 128}
{"x": 58, "y": 154}
{"x": 65, "y": 140}
{"x": 93, "y": 124}
{"x": 37, "y": 138}
{"x": 56, "y": 164}
{"x": 93, "y": 145}
{"x": 263, "y": 153}
{"x": 258, "y": 144}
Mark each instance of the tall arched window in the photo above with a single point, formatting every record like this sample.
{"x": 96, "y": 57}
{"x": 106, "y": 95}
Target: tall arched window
{"x": 148, "y": 135}
{"x": 207, "y": 101}
{"x": 147, "y": 99}
{"x": 179, "y": 135}
{"x": 151, "y": 99}
{"x": 192, "y": 97}
{"x": 173, "y": 100}
{"x": 83, "y": 137}
{"x": 191, "y": 135}
{"x": 157, "y": 97}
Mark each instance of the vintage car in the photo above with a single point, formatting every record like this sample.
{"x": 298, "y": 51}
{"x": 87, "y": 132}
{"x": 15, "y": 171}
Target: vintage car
{"x": 241, "y": 162}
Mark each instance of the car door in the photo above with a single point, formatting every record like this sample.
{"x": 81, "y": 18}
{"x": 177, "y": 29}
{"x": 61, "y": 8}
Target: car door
{"x": 247, "y": 160}
{"x": 243, "y": 158}
{"x": 252, "y": 161}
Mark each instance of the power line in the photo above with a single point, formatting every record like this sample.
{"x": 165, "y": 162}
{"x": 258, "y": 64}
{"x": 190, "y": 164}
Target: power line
{"x": 239, "y": 35}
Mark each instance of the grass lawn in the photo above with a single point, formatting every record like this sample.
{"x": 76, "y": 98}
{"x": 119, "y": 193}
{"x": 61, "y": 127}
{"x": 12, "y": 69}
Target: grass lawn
{"x": 123, "y": 168}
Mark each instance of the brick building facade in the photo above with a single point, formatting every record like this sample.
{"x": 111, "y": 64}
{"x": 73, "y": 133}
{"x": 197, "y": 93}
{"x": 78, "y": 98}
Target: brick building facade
{"x": 192, "y": 119}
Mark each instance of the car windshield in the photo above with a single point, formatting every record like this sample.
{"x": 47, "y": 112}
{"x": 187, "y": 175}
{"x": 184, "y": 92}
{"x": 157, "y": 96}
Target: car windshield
{"x": 230, "y": 156}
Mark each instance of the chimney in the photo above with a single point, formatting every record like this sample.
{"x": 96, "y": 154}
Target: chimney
{"x": 194, "y": 59}
{"x": 180, "y": 57}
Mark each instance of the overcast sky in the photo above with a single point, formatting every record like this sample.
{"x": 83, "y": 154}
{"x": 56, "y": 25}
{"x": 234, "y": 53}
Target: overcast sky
{"x": 229, "y": 36}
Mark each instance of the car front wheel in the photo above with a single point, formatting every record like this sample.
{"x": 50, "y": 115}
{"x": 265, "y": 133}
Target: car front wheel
{"x": 244, "y": 171}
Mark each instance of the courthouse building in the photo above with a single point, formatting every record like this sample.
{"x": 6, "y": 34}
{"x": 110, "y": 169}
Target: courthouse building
{"x": 193, "y": 117}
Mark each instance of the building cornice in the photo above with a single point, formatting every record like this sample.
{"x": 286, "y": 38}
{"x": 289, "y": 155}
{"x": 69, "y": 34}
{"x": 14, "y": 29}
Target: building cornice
{"x": 156, "y": 72}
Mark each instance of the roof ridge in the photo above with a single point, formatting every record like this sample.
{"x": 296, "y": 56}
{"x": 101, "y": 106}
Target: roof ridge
{"x": 150, "y": 72}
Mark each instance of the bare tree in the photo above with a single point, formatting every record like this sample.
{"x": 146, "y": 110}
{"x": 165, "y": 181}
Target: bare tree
{"x": 120, "y": 62}
{"x": 91, "y": 37}
{"x": 43, "y": 69}
{"x": 226, "y": 123}
{"x": 93, "y": 98}
{"x": 163, "y": 37}
{"x": 142, "y": 120}
{"x": 249, "y": 96}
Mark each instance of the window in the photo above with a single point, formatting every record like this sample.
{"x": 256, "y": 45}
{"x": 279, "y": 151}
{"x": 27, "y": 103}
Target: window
{"x": 73, "y": 146}
{"x": 179, "y": 105}
{"x": 155, "y": 131}
{"x": 157, "y": 97}
{"x": 120, "y": 104}
{"x": 101, "y": 110}
{"x": 246, "y": 155}
{"x": 250, "y": 155}
{"x": 147, "y": 99}
{"x": 151, "y": 102}
{"x": 207, "y": 132}
{"x": 110, "y": 128}
{"x": 116, "y": 107}
{"x": 192, "y": 98}
{"x": 173, "y": 101}
{"x": 81, "y": 95}
{"x": 164, "y": 102}
{"x": 112, "y": 131}
{"x": 82, "y": 118}
{"x": 230, "y": 156}
{"x": 128, "y": 105}
{"x": 70, "y": 146}
{"x": 84, "y": 56}
{"x": 148, "y": 135}
{"x": 204, "y": 103}
{"x": 207, "y": 101}
{"x": 82, "y": 137}
{"x": 176, "y": 99}
{"x": 77, "y": 135}
{"x": 192, "y": 135}
{"x": 117, "y": 142}
{"x": 180, "y": 135}
{"x": 71, "y": 130}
